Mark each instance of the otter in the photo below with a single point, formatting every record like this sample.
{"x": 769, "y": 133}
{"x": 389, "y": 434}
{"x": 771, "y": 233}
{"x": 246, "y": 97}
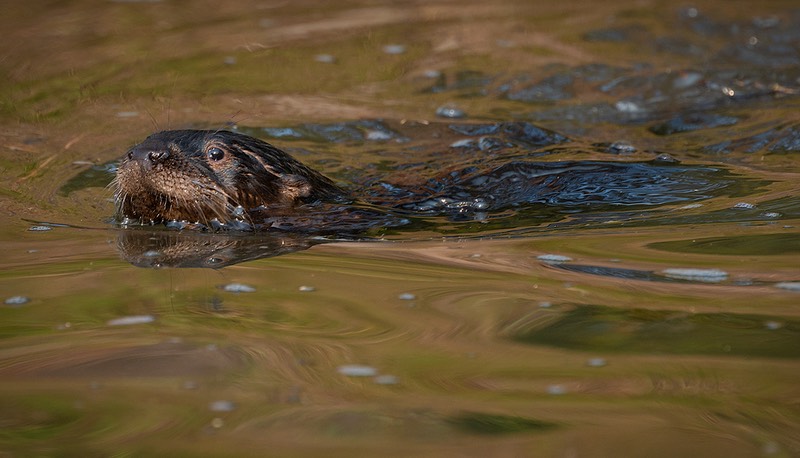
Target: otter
{"x": 214, "y": 179}
{"x": 221, "y": 180}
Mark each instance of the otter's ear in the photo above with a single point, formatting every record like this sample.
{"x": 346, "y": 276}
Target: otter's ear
{"x": 294, "y": 187}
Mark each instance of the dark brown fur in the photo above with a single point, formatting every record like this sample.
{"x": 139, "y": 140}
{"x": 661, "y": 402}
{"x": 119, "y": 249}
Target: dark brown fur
{"x": 201, "y": 176}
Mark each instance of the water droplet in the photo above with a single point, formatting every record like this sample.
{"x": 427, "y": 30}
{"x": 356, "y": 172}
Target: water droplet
{"x": 465, "y": 143}
{"x": 687, "y": 79}
{"x": 773, "y": 325}
{"x": 790, "y": 285}
{"x": 306, "y": 289}
{"x": 771, "y": 448}
{"x": 553, "y": 258}
{"x": 628, "y": 107}
{"x": 238, "y": 288}
{"x": 704, "y": 275}
{"x": 17, "y": 300}
{"x": 357, "y": 370}
{"x": 394, "y": 49}
{"x": 450, "y": 112}
{"x": 325, "y": 58}
{"x": 385, "y": 380}
{"x": 222, "y": 406}
{"x": 406, "y": 297}
{"x": 596, "y": 362}
{"x": 129, "y": 320}
{"x": 556, "y": 390}
{"x": 621, "y": 147}
{"x": 378, "y": 135}
{"x": 665, "y": 158}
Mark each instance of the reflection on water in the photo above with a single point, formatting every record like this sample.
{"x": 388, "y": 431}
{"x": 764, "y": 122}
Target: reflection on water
{"x": 576, "y": 232}
{"x": 667, "y": 331}
{"x": 763, "y": 244}
{"x": 164, "y": 248}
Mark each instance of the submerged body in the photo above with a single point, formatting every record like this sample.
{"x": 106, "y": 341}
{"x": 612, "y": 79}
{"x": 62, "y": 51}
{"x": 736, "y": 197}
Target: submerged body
{"x": 213, "y": 177}
{"x": 209, "y": 179}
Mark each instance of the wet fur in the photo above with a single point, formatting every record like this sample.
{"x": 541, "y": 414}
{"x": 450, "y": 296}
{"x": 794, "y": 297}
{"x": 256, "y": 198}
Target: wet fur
{"x": 181, "y": 175}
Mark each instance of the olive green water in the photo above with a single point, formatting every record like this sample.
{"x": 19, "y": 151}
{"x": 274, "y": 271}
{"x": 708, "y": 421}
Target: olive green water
{"x": 425, "y": 343}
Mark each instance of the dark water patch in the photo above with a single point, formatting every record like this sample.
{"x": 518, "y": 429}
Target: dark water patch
{"x": 583, "y": 114}
{"x": 769, "y": 42}
{"x": 561, "y": 85}
{"x": 636, "y": 94}
{"x": 342, "y": 132}
{"x": 617, "y": 272}
{"x": 551, "y": 89}
{"x": 520, "y": 134}
{"x": 690, "y": 122}
{"x": 753, "y": 245}
{"x": 728, "y": 62}
{"x": 490, "y": 424}
{"x": 784, "y": 139}
{"x": 487, "y": 135}
{"x": 670, "y": 275}
{"x": 600, "y": 328}
{"x": 96, "y": 176}
{"x": 31, "y": 418}
{"x": 613, "y": 272}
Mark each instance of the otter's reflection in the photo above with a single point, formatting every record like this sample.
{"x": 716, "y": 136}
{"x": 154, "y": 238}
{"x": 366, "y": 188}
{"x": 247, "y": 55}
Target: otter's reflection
{"x": 167, "y": 248}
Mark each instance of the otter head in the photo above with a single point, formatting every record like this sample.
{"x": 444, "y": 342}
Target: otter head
{"x": 203, "y": 175}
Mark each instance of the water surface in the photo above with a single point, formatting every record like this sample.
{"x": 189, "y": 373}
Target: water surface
{"x": 588, "y": 240}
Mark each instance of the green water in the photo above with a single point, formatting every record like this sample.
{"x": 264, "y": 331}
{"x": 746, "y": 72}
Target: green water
{"x": 465, "y": 342}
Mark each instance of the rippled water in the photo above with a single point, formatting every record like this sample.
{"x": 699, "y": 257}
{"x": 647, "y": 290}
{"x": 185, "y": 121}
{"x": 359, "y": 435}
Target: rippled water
{"x": 575, "y": 232}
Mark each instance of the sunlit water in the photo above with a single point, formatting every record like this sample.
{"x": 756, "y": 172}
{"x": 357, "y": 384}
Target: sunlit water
{"x": 580, "y": 234}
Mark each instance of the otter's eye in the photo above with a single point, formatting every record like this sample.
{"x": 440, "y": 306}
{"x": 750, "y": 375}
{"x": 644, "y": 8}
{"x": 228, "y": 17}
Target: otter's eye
{"x": 215, "y": 154}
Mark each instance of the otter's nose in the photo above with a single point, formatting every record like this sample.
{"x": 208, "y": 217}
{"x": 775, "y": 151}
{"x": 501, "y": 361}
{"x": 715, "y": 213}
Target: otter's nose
{"x": 147, "y": 157}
